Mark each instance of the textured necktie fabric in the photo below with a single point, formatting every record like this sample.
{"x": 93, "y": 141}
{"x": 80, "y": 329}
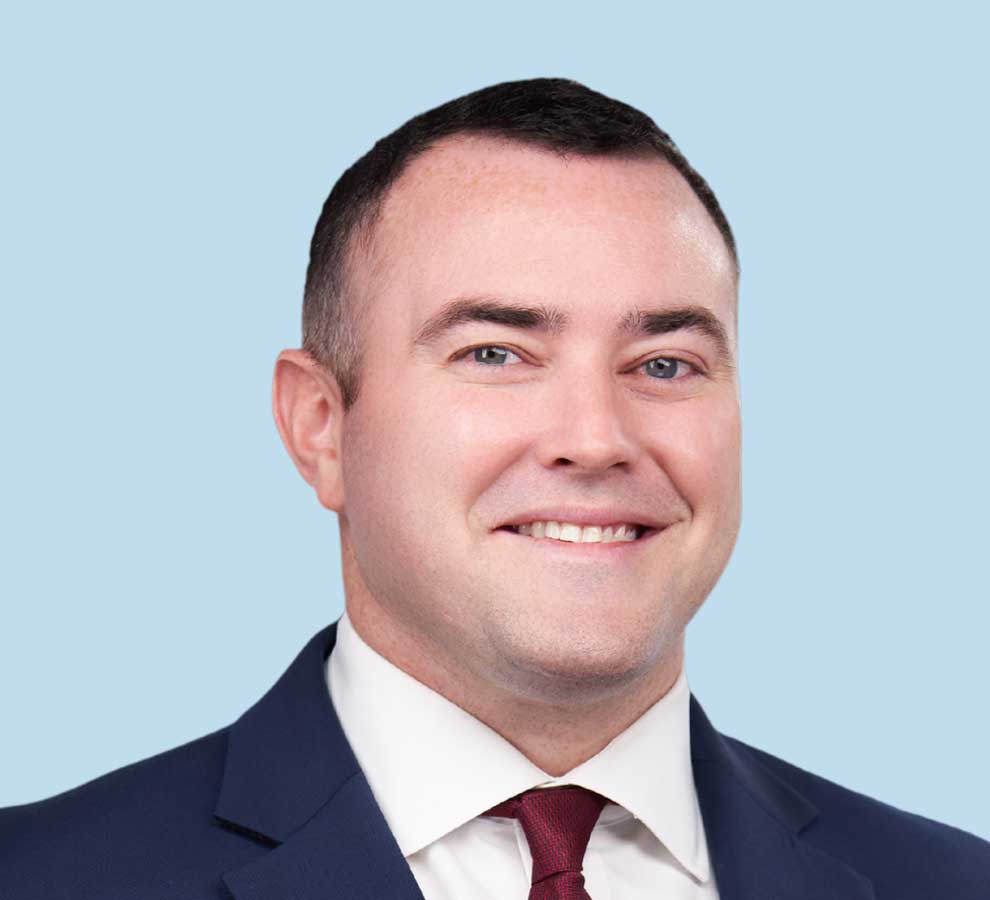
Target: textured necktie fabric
{"x": 557, "y": 823}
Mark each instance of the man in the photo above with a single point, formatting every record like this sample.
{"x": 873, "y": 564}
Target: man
{"x": 518, "y": 391}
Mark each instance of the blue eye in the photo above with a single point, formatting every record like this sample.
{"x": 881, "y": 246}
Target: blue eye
{"x": 664, "y": 367}
{"x": 491, "y": 355}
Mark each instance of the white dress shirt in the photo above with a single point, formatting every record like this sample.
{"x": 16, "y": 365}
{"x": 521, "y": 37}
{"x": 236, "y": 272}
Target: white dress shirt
{"x": 434, "y": 768}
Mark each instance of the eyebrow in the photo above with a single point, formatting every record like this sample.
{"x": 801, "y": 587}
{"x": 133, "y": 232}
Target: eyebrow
{"x": 553, "y": 321}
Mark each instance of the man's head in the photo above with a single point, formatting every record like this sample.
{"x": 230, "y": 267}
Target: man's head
{"x": 544, "y": 334}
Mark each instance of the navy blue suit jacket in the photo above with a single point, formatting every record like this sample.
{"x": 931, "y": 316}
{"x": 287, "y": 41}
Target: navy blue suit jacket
{"x": 275, "y": 807}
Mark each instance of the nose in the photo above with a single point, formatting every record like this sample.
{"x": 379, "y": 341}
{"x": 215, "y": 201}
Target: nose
{"x": 586, "y": 426}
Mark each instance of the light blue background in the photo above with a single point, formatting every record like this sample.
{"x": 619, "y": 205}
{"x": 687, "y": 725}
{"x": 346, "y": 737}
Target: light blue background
{"x": 163, "y": 169}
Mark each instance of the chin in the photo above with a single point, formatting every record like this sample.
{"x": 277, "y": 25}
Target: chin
{"x": 579, "y": 665}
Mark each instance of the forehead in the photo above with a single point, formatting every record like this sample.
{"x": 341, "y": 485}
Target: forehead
{"x": 481, "y": 216}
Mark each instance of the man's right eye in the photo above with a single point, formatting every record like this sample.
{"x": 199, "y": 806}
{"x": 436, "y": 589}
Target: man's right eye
{"x": 492, "y": 355}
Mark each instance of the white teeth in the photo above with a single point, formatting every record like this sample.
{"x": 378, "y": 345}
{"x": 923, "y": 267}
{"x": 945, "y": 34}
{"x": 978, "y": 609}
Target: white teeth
{"x": 571, "y": 533}
{"x": 576, "y": 534}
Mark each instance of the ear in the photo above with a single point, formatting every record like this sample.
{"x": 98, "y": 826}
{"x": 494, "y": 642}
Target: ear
{"x": 308, "y": 409}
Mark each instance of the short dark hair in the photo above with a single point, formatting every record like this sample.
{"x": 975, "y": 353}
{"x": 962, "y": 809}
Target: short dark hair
{"x": 554, "y": 113}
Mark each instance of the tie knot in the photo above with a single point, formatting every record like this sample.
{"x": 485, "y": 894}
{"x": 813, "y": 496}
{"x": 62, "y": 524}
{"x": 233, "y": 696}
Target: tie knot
{"x": 557, "y": 823}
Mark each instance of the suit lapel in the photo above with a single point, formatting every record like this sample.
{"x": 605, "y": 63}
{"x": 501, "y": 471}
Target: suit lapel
{"x": 753, "y": 823}
{"x": 345, "y": 852}
{"x": 291, "y": 781}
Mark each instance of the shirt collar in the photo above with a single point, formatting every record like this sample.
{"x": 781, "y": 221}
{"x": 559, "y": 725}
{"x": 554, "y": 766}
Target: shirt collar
{"x": 420, "y": 754}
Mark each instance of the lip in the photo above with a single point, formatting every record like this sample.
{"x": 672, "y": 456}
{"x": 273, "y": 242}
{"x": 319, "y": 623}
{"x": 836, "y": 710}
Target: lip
{"x": 613, "y": 515}
{"x": 591, "y": 549}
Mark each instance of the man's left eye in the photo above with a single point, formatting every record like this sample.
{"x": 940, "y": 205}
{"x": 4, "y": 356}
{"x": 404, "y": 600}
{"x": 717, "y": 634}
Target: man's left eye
{"x": 665, "y": 367}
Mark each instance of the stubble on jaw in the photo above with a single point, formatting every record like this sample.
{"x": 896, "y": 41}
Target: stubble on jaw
{"x": 556, "y": 717}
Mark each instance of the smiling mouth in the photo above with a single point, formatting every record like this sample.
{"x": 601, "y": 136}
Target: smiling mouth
{"x": 558, "y": 532}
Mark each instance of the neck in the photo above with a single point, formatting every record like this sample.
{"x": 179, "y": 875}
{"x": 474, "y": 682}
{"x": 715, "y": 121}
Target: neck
{"x": 556, "y": 733}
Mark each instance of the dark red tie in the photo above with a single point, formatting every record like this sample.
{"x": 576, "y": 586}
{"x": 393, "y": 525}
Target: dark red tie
{"x": 557, "y": 823}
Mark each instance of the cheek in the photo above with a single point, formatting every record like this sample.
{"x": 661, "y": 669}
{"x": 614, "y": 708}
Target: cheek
{"x": 699, "y": 444}
{"x": 471, "y": 435}
{"x": 429, "y": 454}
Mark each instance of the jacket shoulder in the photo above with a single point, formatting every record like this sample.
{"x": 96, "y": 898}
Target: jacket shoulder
{"x": 906, "y": 855}
{"x": 146, "y": 829}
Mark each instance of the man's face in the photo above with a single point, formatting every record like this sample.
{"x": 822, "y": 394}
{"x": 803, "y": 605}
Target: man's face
{"x": 587, "y": 421}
